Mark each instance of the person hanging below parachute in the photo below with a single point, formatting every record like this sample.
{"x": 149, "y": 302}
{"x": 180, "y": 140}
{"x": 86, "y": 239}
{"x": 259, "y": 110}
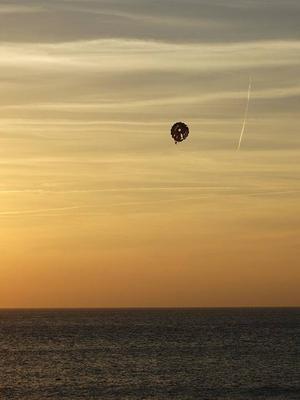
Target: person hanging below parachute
{"x": 179, "y": 132}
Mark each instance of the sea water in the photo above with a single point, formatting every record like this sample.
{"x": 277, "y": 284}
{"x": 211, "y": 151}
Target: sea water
{"x": 150, "y": 354}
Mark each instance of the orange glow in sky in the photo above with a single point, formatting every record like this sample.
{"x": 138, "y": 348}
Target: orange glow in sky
{"x": 99, "y": 208}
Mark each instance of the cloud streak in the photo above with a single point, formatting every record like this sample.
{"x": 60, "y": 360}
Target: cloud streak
{"x": 19, "y": 9}
{"x": 199, "y": 20}
{"x": 116, "y": 55}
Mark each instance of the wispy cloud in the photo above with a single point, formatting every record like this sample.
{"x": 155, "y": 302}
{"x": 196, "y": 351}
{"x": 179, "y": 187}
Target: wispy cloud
{"x": 283, "y": 92}
{"x": 116, "y": 55}
{"x": 38, "y": 211}
{"x": 189, "y": 21}
{"x": 19, "y": 8}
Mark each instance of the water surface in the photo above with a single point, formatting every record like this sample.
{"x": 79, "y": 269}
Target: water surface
{"x": 150, "y": 354}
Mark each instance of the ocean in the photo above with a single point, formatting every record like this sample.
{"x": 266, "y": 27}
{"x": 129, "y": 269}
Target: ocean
{"x": 150, "y": 354}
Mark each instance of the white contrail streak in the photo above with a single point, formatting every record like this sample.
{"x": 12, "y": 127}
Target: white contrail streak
{"x": 245, "y": 116}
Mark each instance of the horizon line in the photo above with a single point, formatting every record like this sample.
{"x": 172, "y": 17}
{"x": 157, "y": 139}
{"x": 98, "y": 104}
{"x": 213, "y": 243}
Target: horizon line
{"x": 151, "y": 308}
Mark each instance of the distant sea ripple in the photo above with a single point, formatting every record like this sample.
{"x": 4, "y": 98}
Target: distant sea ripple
{"x": 134, "y": 354}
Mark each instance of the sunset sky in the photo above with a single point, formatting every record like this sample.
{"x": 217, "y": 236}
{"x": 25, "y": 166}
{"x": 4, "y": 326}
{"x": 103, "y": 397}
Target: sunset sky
{"x": 98, "y": 207}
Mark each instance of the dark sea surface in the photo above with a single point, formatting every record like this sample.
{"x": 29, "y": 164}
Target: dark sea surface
{"x": 150, "y": 354}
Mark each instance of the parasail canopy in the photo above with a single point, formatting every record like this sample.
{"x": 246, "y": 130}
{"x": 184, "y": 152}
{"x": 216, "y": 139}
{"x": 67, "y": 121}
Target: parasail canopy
{"x": 179, "y": 132}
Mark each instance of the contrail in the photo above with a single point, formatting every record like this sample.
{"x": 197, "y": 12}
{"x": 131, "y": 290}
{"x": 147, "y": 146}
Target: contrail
{"x": 246, "y": 115}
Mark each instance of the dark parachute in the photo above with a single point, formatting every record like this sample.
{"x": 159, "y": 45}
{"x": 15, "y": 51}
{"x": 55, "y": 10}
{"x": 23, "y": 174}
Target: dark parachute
{"x": 179, "y": 131}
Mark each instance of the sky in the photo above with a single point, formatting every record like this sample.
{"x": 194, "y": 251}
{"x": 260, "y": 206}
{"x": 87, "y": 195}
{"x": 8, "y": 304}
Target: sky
{"x": 98, "y": 207}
